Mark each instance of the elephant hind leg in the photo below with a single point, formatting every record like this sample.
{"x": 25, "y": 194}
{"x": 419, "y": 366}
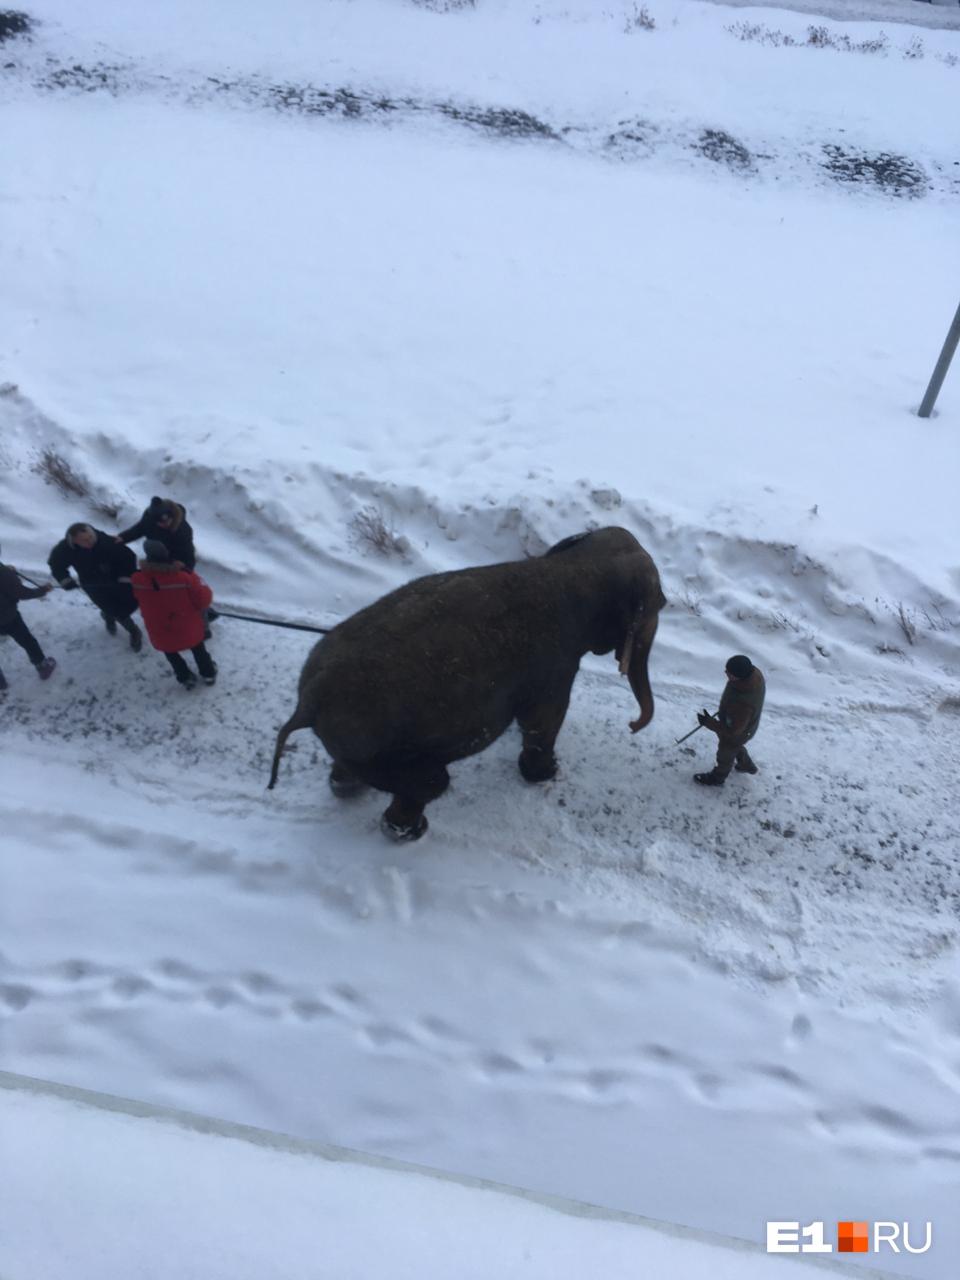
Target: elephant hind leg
{"x": 344, "y": 783}
{"x": 414, "y": 783}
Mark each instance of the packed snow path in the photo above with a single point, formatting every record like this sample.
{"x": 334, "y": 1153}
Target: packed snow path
{"x": 722, "y": 956}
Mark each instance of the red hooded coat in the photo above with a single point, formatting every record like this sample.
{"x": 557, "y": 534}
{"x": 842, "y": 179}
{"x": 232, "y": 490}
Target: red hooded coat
{"x": 171, "y": 602}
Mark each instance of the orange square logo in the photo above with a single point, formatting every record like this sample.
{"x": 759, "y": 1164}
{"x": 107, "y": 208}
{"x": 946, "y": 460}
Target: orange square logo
{"x": 853, "y": 1237}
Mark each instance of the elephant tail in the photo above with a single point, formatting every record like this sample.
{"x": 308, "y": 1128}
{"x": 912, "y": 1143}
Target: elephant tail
{"x": 297, "y": 721}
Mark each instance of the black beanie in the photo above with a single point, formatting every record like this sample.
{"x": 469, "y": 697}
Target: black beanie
{"x": 155, "y": 550}
{"x": 739, "y": 666}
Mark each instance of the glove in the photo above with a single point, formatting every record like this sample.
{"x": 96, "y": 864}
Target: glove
{"x": 706, "y": 719}
{"x": 68, "y": 584}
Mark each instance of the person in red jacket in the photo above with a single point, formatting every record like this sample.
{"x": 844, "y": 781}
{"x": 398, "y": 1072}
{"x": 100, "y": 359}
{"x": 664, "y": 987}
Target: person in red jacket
{"x": 172, "y": 601}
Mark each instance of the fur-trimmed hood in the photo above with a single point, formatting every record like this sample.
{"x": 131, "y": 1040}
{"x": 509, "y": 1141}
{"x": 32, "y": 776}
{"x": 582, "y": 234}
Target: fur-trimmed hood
{"x": 167, "y": 507}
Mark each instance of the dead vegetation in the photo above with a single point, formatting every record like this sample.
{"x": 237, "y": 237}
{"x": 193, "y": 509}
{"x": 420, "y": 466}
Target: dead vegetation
{"x": 722, "y": 148}
{"x": 371, "y": 528}
{"x": 893, "y": 174}
{"x": 639, "y": 19}
{"x": 56, "y": 470}
{"x": 13, "y": 23}
{"x": 445, "y": 6}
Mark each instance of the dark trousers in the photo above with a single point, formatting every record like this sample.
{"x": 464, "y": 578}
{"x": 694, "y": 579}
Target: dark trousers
{"x": 201, "y": 658}
{"x": 128, "y": 623}
{"x": 19, "y": 631}
{"x": 729, "y": 754}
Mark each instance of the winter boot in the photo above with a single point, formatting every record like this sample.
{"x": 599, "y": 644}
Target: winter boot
{"x": 212, "y": 678}
{"x": 711, "y": 779}
{"x": 109, "y": 623}
{"x": 136, "y": 639}
{"x": 747, "y": 767}
{"x": 188, "y": 682}
{"x": 45, "y": 669}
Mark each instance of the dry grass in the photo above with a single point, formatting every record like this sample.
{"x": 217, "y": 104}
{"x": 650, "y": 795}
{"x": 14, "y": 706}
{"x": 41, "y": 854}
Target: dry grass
{"x": 55, "y": 470}
{"x": 13, "y": 23}
{"x": 640, "y": 20}
{"x": 371, "y": 528}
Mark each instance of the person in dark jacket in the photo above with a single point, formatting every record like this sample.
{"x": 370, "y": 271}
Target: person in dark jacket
{"x": 165, "y": 521}
{"x": 172, "y": 602}
{"x": 103, "y": 566}
{"x": 12, "y": 591}
{"x": 736, "y": 721}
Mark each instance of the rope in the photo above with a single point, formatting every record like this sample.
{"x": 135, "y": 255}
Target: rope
{"x": 267, "y": 622}
{"x": 215, "y": 612}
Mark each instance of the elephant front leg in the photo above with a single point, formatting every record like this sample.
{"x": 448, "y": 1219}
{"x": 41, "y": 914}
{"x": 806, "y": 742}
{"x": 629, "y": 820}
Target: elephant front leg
{"x": 540, "y": 726}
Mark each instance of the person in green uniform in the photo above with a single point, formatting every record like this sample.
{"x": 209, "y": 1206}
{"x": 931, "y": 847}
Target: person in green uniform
{"x": 736, "y": 721}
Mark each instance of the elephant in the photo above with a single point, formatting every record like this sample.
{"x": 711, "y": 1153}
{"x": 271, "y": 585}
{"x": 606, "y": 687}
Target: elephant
{"x": 438, "y": 669}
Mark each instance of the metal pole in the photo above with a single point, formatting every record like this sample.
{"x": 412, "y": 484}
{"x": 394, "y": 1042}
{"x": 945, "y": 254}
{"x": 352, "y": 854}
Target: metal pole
{"x": 940, "y": 372}
{"x": 688, "y": 735}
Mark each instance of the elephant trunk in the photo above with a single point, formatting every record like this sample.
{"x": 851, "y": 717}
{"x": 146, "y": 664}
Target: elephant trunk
{"x": 636, "y": 653}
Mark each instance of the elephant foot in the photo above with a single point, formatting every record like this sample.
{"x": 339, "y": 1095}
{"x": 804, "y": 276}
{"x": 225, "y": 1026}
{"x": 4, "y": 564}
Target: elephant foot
{"x": 403, "y": 832}
{"x": 538, "y": 766}
{"x": 345, "y": 784}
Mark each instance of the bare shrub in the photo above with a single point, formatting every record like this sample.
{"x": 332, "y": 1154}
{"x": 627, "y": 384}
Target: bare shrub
{"x": 907, "y": 625}
{"x": 914, "y": 50}
{"x": 895, "y": 174}
{"x": 640, "y": 20}
{"x": 824, "y": 38}
{"x": 371, "y": 528}
{"x": 445, "y": 6}
{"x": 723, "y": 148}
{"x": 817, "y": 38}
{"x": 754, "y": 31}
{"x": 55, "y": 470}
{"x": 13, "y": 23}
{"x": 877, "y": 45}
{"x": 935, "y": 619}
{"x": 508, "y": 122}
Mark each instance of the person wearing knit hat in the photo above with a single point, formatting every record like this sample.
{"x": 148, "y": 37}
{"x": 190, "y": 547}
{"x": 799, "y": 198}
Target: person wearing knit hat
{"x": 165, "y": 521}
{"x": 737, "y": 720}
{"x": 172, "y": 601}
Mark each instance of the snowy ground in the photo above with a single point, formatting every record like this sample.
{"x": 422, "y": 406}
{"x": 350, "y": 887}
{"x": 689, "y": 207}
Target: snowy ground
{"x": 709, "y": 1008}
{"x": 254, "y": 1205}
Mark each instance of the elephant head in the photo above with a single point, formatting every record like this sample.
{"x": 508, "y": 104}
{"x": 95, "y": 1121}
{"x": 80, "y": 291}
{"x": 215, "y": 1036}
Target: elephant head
{"x": 619, "y": 582}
